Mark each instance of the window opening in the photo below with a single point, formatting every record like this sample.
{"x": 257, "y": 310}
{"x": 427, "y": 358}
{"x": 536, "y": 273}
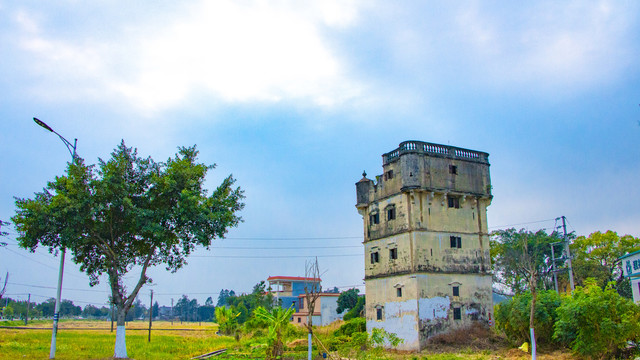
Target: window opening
{"x": 391, "y": 213}
{"x": 457, "y": 314}
{"x": 389, "y": 175}
{"x": 454, "y": 202}
{"x": 456, "y": 242}
{"x": 456, "y": 291}
{"x": 393, "y": 253}
{"x": 379, "y": 314}
{"x": 453, "y": 169}
{"x": 374, "y": 218}
{"x": 399, "y": 292}
{"x": 375, "y": 257}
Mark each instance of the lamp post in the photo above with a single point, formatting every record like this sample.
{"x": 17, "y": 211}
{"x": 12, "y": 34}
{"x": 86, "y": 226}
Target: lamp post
{"x": 56, "y": 315}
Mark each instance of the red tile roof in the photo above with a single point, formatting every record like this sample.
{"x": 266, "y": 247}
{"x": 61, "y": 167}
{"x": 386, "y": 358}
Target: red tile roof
{"x": 293, "y": 278}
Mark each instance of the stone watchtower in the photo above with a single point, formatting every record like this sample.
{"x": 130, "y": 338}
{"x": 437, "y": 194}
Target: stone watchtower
{"x": 427, "y": 262}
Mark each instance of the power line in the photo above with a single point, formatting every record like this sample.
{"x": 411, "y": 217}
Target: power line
{"x": 271, "y": 257}
{"x": 286, "y": 248}
{"x": 523, "y": 223}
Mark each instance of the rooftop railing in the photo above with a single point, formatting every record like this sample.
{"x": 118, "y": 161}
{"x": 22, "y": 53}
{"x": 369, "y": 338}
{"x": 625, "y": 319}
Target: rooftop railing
{"x": 437, "y": 149}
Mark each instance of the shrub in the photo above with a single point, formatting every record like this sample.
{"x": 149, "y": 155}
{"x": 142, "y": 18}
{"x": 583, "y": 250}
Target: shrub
{"x": 512, "y": 317}
{"x": 596, "y": 322}
{"x": 352, "y": 326}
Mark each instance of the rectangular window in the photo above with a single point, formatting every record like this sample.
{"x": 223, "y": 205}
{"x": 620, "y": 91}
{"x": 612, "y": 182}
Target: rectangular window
{"x": 393, "y": 254}
{"x": 399, "y": 292}
{"x": 453, "y": 169}
{"x": 456, "y": 242}
{"x": 375, "y": 257}
{"x": 454, "y": 202}
{"x": 299, "y": 319}
{"x": 457, "y": 314}
{"x": 391, "y": 213}
{"x": 374, "y": 218}
{"x": 388, "y": 175}
{"x": 379, "y": 314}
{"x": 456, "y": 291}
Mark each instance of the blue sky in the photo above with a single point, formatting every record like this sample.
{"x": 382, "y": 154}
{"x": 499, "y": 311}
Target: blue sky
{"x": 296, "y": 99}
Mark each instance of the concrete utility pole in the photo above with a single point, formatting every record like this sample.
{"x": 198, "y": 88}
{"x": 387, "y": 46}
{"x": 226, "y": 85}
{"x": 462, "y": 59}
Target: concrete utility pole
{"x": 150, "y": 314}
{"x": 26, "y": 319}
{"x": 566, "y": 248}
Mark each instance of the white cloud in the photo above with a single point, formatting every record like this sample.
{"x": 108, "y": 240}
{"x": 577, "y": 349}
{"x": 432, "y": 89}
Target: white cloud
{"x": 234, "y": 51}
{"x": 553, "y": 45}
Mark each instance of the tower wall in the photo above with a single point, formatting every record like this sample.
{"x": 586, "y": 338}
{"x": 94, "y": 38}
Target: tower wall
{"x": 427, "y": 261}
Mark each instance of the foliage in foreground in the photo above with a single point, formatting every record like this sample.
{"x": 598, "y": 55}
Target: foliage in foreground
{"x": 597, "y": 323}
{"x": 512, "y": 317}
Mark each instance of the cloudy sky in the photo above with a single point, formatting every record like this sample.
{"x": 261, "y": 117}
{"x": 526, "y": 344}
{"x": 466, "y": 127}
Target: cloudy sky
{"x": 297, "y": 98}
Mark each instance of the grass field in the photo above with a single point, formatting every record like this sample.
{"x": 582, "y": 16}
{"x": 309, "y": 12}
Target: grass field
{"x": 94, "y": 340}
{"x": 85, "y": 339}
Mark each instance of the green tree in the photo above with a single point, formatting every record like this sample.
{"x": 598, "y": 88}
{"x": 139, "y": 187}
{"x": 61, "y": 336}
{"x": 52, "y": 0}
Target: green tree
{"x": 278, "y": 318}
{"x": 347, "y": 300}
{"x": 513, "y": 316}
{"x": 597, "y": 323}
{"x": 596, "y": 256}
{"x": 128, "y": 212}
{"x": 508, "y": 250}
{"x": 7, "y": 312}
{"x": 156, "y": 309}
{"x": 226, "y": 317}
{"x": 355, "y": 311}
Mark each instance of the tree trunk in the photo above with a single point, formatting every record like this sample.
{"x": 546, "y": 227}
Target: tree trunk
{"x": 121, "y": 343}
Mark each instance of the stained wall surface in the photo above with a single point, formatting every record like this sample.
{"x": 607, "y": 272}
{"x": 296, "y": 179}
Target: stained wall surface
{"x": 427, "y": 262}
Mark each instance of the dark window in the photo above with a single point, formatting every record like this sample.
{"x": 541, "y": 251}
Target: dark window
{"x": 391, "y": 213}
{"x": 453, "y": 169}
{"x": 456, "y": 291}
{"x": 456, "y": 242}
{"x": 299, "y": 319}
{"x": 388, "y": 175}
{"x": 399, "y": 292}
{"x": 393, "y": 253}
{"x": 375, "y": 257}
{"x": 379, "y": 314}
{"x": 374, "y": 218}
{"x": 457, "y": 315}
{"x": 454, "y": 202}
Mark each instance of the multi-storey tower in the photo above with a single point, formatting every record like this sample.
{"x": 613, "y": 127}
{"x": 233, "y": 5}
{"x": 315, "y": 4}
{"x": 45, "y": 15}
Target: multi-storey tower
{"x": 427, "y": 262}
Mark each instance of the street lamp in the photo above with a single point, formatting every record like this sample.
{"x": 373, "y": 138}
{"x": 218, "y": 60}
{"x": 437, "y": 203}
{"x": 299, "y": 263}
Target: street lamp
{"x": 56, "y": 315}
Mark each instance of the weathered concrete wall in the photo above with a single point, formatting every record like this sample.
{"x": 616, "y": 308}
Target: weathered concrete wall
{"x": 426, "y": 305}
{"x": 328, "y": 310}
{"x": 427, "y": 268}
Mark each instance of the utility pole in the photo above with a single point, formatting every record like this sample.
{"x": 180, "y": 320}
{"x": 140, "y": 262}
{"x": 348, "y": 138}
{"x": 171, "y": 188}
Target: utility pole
{"x": 566, "y": 249}
{"x": 26, "y": 319}
{"x": 171, "y": 311}
{"x": 150, "y": 314}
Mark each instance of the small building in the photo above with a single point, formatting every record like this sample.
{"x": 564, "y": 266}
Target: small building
{"x": 426, "y": 241}
{"x": 287, "y": 289}
{"x": 324, "y": 313}
{"x": 631, "y": 269}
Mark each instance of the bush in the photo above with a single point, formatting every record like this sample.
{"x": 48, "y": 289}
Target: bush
{"x": 352, "y": 326}
{"x": 512, "y": 317}
{"x": 596, "y": 322}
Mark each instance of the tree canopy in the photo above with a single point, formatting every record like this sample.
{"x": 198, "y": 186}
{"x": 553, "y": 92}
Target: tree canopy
{"x": 347, "y": 300}
{"x": 129, "y": 211}
{"x": 596, "y": 256}
{"x": 509, "y": 249}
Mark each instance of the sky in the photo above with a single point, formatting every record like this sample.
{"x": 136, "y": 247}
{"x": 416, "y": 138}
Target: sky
{"x": 297, "y": 98}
